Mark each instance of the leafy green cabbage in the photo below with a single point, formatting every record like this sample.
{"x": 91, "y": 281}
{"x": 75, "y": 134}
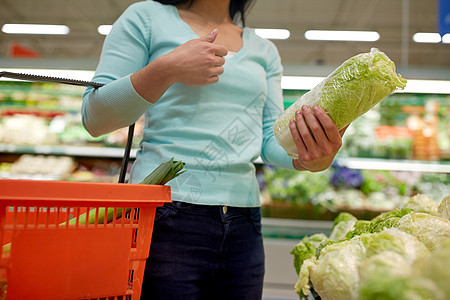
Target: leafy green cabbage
{"x": 401, "y": 254}
{"x": 384, "y": 220}
{"x": 383, "y": 263}
{"x": 306, "y": 248}
{"x": 423, "y": 203}
{"x": 343, "y": 224}
{"x": 430, "y": 230}
{"x": 348, "y": 92}
{"x": 437, "y": 267}
{"x": 444, "y": 208}
{"x": 335, "y": 275}
{"x": 389, "y": 276}
{"x": 394, "y": 240}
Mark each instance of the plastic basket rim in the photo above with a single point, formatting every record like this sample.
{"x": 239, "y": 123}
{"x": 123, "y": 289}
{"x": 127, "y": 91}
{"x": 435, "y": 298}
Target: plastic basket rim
{"x": 15, "y": 192}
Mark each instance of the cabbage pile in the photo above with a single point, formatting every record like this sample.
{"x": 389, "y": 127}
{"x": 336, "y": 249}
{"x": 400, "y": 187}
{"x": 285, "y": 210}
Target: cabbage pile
{"x": 355, "y": 87}
{"x": 402, "y": 254}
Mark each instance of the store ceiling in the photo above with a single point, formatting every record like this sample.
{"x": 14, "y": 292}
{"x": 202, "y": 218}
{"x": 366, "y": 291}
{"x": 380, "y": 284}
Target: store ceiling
{"x": 385, "y": 16}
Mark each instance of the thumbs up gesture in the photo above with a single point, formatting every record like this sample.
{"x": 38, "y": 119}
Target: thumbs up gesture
{"x": 198, "y": 62}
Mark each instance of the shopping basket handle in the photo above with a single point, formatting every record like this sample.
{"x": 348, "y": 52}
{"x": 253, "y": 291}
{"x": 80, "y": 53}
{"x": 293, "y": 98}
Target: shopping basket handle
{"x": 32, "y": 77}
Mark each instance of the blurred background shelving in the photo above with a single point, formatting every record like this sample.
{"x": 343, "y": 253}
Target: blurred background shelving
{"x": 397, "y": 149}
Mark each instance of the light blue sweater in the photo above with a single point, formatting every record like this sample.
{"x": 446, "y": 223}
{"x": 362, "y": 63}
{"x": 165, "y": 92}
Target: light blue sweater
{"x": 218, "y": 130}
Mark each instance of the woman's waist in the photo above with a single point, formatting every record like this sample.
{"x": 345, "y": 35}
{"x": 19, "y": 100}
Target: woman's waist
{"x": 200, "y": 156}
{"x": 211, "y": 210}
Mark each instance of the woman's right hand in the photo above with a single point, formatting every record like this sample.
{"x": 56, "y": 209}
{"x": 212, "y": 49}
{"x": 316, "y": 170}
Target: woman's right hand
{"x": 197, "y": 62}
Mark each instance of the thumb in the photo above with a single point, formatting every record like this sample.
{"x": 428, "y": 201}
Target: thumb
{"x": 211, "y": 37}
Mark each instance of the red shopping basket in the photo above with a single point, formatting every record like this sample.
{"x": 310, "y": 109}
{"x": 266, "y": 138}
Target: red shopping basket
{"x": 46, "y": 256}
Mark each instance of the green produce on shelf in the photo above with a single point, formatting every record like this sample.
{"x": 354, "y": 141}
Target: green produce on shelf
{"x": 295, "y": 187}
{"x": 401, "y": 254}
{"x": 165, "y": 172}
{"x": 362, "y": 192}
{"x": 380, "y": 180}
{"x": 76, "y": 134}
{"x": 434, "y": 185}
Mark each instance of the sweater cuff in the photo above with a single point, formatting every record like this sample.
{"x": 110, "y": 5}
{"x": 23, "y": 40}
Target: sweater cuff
{"x": 275, "y": 155}
{"x": 124, "y": 99}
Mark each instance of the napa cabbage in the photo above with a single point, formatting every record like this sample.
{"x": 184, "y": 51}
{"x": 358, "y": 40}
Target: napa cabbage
{"x": 348, "y": 92}
{"x": 401, "y": 254}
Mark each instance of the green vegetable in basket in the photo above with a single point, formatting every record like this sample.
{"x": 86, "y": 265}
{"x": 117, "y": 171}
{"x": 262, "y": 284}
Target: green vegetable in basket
{"x": 165, "y": 172}
{"x": 101, "y": 216}
{"x": 3, "y": 288}
{"x": 347, "y": 93}
{"x": 160, "y": 176}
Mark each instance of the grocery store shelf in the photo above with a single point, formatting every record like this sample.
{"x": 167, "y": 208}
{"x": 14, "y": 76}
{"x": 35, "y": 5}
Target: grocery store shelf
{"x": 395, "y": 165}
{"x": 115, "y": 152}
{"x": 85, "y": 151}
{"x": 293, "y": 229}
{"x": 390, "y": 164}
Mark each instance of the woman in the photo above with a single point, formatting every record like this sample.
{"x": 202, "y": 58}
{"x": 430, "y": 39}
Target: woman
{"x": 210, "y": 92}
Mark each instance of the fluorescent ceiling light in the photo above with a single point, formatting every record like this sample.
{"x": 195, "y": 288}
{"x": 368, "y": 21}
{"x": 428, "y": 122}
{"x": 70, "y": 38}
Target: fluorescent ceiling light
{"x": 339, "y": 35}
{"x": 273, "y": 34}
{"x": 446, "y": 38}
{"x": 427, "y": 86}
{"x": 104, "y": 29}
{"x": 393, "y": 165}
{"x": 35, "y": 29}
{"x": 427, "y": 37}
{"x": 412, "y": 85}
{"x": 299, "y": 82}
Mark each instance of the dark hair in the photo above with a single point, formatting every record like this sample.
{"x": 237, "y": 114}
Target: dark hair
{"x": 238, "y": 8}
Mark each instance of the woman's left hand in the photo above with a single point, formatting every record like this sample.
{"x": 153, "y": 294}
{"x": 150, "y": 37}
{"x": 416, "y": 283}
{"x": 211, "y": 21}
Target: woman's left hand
{"x": 317, "y": 139}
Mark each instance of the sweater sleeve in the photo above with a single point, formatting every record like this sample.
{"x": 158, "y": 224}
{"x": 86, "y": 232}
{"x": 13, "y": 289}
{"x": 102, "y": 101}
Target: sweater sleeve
{"x": 125, "y": 51}
{"x": 272, "y": 152}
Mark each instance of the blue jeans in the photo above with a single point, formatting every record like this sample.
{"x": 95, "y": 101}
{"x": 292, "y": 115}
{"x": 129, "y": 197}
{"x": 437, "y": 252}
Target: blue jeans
{"x": 205, "y": 252}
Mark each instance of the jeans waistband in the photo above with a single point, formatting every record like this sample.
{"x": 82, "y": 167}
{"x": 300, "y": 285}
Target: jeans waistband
{"x": 215, "y": 209}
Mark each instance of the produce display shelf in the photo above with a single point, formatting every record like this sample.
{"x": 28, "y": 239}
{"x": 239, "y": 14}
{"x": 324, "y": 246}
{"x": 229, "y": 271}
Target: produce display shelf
{"x": 86, "y": 151}
{"x": 72, "y": 91}
{"x": 391, "y": 164}
{"x": 293, "y": 229}
{"x": 396, "y": 165}
{"x": 115, "y": 152}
